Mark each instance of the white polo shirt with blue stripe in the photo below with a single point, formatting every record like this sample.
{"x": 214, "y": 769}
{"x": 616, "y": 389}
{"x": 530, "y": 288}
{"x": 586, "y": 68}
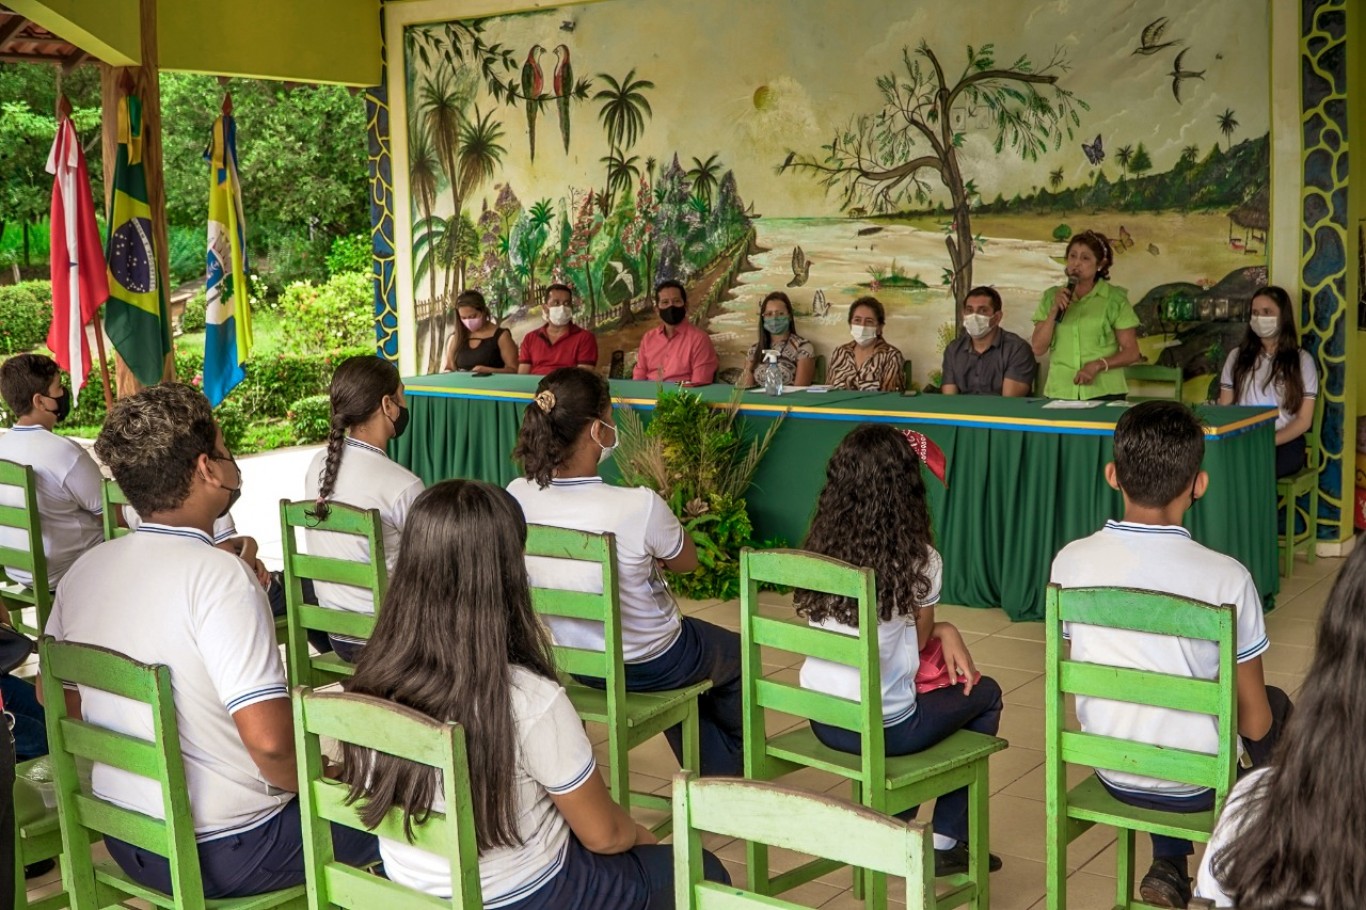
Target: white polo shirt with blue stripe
{"x": 554, "y": 757}
{"x": 1156, "y": 558}
{"x": 67, "y": 482}
{"x": 166, "y": 595}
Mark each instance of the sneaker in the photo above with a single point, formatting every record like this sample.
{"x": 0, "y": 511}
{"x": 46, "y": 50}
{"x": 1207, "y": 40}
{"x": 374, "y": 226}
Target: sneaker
{"x": 1165, "y": 885}
{"x": 954, "y": 861}
{"x": 42, "y": 867}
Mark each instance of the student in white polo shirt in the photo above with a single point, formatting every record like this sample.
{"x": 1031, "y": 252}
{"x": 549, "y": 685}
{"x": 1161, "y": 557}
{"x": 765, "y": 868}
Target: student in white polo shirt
{"x": 458, "y": 640}
{"x": 67, "y": 478}
{"x": 166, "y": 595}
{"x": 368, "y": 410}
{"x": 1158, "y": 449}
{"x": 566, "y": 433}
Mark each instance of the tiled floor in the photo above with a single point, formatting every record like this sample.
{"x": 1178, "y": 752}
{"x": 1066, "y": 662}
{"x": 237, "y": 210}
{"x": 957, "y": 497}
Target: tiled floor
{"x": 1010, "y": 653}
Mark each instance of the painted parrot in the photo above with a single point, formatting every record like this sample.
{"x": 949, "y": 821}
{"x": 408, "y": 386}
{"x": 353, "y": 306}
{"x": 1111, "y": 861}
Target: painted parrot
{"x": 533, "y": 81}
{"x": 564, "y": 87}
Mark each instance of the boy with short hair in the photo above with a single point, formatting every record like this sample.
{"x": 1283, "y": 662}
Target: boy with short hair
{"x": 166, "y": 595}
{"x": 1158, "y": 448}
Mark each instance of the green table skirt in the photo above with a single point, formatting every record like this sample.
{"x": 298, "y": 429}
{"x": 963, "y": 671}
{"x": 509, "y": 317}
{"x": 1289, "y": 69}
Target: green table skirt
{"x": 1015, "y": 496}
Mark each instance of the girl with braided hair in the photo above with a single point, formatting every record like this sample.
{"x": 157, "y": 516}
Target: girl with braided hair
{"x": 368, "y": 410}
{"x": 566, "y": 433}
{"x": 1088, "y": 327}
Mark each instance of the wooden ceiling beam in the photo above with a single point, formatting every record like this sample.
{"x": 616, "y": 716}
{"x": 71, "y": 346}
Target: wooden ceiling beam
{"x": 73, "y": 60}
{"x": 29, "y": 58}
{"x": 10, "y": 28}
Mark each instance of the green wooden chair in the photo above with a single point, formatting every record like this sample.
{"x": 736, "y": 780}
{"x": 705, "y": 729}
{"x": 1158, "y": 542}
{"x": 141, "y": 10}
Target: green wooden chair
{"x": 38, "y": 834}
{"x": 301, "y": 618}
{"x": 1304, "y": 482}
{"x": 1152, "y": 373}
{"x": 19, "y": 599}
{"x": 1073, "y": 811}
{"x": 383, "y": 726}
{"x": 887, "y": 784}
{"x": 114, "y": 501}
{"x": 631, "y": 717}
{"x": 85, "y": 816}
{"x": 804, "y": 822}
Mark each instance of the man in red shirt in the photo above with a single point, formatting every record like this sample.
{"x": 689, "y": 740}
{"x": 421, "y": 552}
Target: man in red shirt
{"x": 558, "y": 343}
{"x": 676, "y": 350}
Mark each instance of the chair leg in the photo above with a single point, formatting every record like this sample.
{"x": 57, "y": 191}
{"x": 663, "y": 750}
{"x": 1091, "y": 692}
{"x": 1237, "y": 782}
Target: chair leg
{"x": 860, "y": 881}
{"x": 874, "y": 883}
{"x": 692, "y": 742}
{"x": 620, "y": 778}
{"x": 1124, "y": 867}
{"x": 756, "y": 862}
{"x": 979, "y": 838}
{"x": 1312, "y": 523}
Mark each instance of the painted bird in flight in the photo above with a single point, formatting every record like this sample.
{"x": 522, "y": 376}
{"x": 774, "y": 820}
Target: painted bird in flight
{"x": 1148, "y": 41}
{"x": 563, "y": 82}
{"x": 1179, "y": 75}
{"x": 533, "y": 81}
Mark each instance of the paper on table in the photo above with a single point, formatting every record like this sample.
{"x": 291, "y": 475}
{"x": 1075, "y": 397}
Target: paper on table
{"x": 819, "y": 388}
{"x": 1063, "y": 404}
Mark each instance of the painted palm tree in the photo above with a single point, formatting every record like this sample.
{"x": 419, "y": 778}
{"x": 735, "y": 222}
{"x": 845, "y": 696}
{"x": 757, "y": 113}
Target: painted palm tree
{"x": 1055, "y": 180}
{"x": 1125, "y": 156}
{"x": 424, "y": 176}
{"x": 1228, "y": 124}
{"x": 1189, "y": 154}
{"x": 622, "y": 172}
{"x": 704, "y": 177}
{"x": 623, "y": 114}
{"x": 479, "y": 152}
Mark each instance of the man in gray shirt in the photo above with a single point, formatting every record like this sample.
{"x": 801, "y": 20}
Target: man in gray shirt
{"x": 986, "y": 359}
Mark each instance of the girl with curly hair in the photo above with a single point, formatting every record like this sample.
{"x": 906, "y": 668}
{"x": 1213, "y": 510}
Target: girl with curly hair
{"x": 872, "y": 512}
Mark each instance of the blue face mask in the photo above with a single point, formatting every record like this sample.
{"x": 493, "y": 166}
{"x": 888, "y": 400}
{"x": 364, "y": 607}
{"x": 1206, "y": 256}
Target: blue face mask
{"x": 776, "y": 325}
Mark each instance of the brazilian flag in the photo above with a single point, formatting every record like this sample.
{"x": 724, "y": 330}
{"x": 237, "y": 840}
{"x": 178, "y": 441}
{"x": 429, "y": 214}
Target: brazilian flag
{"x": 136, "y": 316}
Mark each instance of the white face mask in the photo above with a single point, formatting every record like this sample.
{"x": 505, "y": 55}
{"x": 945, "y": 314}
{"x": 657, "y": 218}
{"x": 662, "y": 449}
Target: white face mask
{"x": 607, "y": 451}
{"x": 560, "y": 315}
{"x": 863, "y": 334}
{"x": 976, "y": 325}
{"x": 1265, "y": 326}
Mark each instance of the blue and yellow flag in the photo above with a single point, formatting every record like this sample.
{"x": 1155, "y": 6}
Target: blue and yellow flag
{"x": 227, "y": 318}
{"x": 136, "y": 315}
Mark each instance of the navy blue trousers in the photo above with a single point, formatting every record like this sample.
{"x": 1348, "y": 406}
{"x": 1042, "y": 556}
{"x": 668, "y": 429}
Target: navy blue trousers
{"x": 642, "y": 878}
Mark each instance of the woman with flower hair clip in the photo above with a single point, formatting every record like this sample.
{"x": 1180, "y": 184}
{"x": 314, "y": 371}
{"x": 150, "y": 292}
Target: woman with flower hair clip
{"x": 873, "y": 512}
{"x": 1089, "y": 327}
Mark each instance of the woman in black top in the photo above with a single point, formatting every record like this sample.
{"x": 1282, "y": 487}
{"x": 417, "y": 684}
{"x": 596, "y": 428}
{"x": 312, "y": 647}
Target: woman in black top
{"x": 479, "y": 345}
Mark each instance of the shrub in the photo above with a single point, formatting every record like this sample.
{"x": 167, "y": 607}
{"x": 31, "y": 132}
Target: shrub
{"x": 312, "y": 418}
{"x": 293, "y": 257}
{"x": 187, "y": 255}
{"x": 25, "y": 315}
{"x": 1062, "y": 232}
{"x": 193, "y": 319}
{"x": 265, "y": 436}
{"x": 331, "y": 316}
{"x": 232, "y": 420}
{"x": 350, "y": 254}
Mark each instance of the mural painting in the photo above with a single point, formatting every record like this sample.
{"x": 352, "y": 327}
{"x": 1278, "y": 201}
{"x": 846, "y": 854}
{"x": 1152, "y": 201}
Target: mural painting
{"x": 831, "y": 151}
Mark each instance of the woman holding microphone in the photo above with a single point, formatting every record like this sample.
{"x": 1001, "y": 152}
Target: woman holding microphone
{"x": 1089, "y": 326}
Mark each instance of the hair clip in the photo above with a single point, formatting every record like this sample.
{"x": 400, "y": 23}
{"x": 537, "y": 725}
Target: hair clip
{"x": 545, "y": 400}
{"x": 929, "y": 453}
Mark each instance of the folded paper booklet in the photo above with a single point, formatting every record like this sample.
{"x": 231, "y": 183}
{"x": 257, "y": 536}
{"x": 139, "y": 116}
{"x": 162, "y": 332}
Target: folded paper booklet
{"x": 1065, "y": 404}
{"x": 818, "y": 388}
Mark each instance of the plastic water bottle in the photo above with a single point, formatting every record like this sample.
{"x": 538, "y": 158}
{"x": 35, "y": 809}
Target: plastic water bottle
{"x": 771, "y": 374}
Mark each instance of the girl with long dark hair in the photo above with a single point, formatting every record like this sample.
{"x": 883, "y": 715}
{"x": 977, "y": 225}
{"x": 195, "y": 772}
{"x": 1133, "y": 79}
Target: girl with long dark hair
{"x": 1292, "y": 833}
{"x": 1270, "y": 368}
{"x": 1088, "y": 325}
{"x": 478, "y": 344}
{"x": 458, "y": 640}
{"x": 566, "y": 433}
{"x": 368, "y": 410}
{"x": 778, "y": 332}
{"x": 872, "y": 512}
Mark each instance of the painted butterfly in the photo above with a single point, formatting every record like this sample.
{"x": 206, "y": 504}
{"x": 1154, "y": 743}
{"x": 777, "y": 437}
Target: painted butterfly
{"x": 1095, "y": 152}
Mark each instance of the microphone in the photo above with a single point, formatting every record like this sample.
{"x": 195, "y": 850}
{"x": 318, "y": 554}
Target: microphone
{"x": 1071, "y": 288}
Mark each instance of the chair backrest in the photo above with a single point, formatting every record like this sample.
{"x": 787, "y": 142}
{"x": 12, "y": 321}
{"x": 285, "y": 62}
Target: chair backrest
{"x": 25, "y": 519}
{"x": 818, "y": 377}
{"x": 114, "y": 501}
{"x": 907, "y": 377}
{"x": 821, "y": 574}
{"x": 562, "y": 543}
{"x": 1157, "y": 614}
{"x": 71, "y": 738}
{"x": 1150, "y": 372}
{"x": 783, "y": 817}
{"x": 372, "y": 574}
{"x": 382, "y": 726}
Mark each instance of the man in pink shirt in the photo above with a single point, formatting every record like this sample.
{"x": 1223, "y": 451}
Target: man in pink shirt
{"x": 676, "y": 350}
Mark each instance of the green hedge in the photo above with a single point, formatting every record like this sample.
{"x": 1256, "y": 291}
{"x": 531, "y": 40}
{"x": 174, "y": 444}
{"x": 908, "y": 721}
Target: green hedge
{"x": 25, "y": 315}
{"x": 312, "y": 418}
{"x": 337, "y": 314}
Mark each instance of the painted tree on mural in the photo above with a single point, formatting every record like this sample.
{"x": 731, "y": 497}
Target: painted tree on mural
{"x": 880, "y": 160}
{"x": 623, "y": 114}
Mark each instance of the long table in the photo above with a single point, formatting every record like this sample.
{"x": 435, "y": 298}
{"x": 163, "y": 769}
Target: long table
{"x": 1023, "y": 480}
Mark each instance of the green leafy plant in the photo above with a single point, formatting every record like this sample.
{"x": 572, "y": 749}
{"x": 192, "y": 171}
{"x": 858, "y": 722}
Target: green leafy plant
{"x": 312, "y": 418}
{"x": 194, "y": 318}
{"x": 1062, "y": 232}
{"x": 696, "y": 457}
{"x": 329, "y": 317}
{"x": 350, "y": 253}
{"x": 25, "y": 314}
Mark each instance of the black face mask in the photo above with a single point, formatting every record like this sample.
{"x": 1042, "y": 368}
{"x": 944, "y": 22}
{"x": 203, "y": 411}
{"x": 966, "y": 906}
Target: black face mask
{"x": 63, "y": 405}
{"x": 672, "y": 315}
{"x": 234, "y": 493}
{"x": 401, "y": 423}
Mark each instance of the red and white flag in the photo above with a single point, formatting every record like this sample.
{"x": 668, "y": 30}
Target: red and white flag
{"x": 80, "y": 282}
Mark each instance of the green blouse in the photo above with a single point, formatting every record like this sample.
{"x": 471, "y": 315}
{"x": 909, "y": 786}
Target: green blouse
{"x": 1087, "y": 333}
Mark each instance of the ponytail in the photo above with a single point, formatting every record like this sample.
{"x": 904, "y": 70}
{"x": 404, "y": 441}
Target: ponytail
{"x": 358, "y": 389}
{"x": 567, "y": 400}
